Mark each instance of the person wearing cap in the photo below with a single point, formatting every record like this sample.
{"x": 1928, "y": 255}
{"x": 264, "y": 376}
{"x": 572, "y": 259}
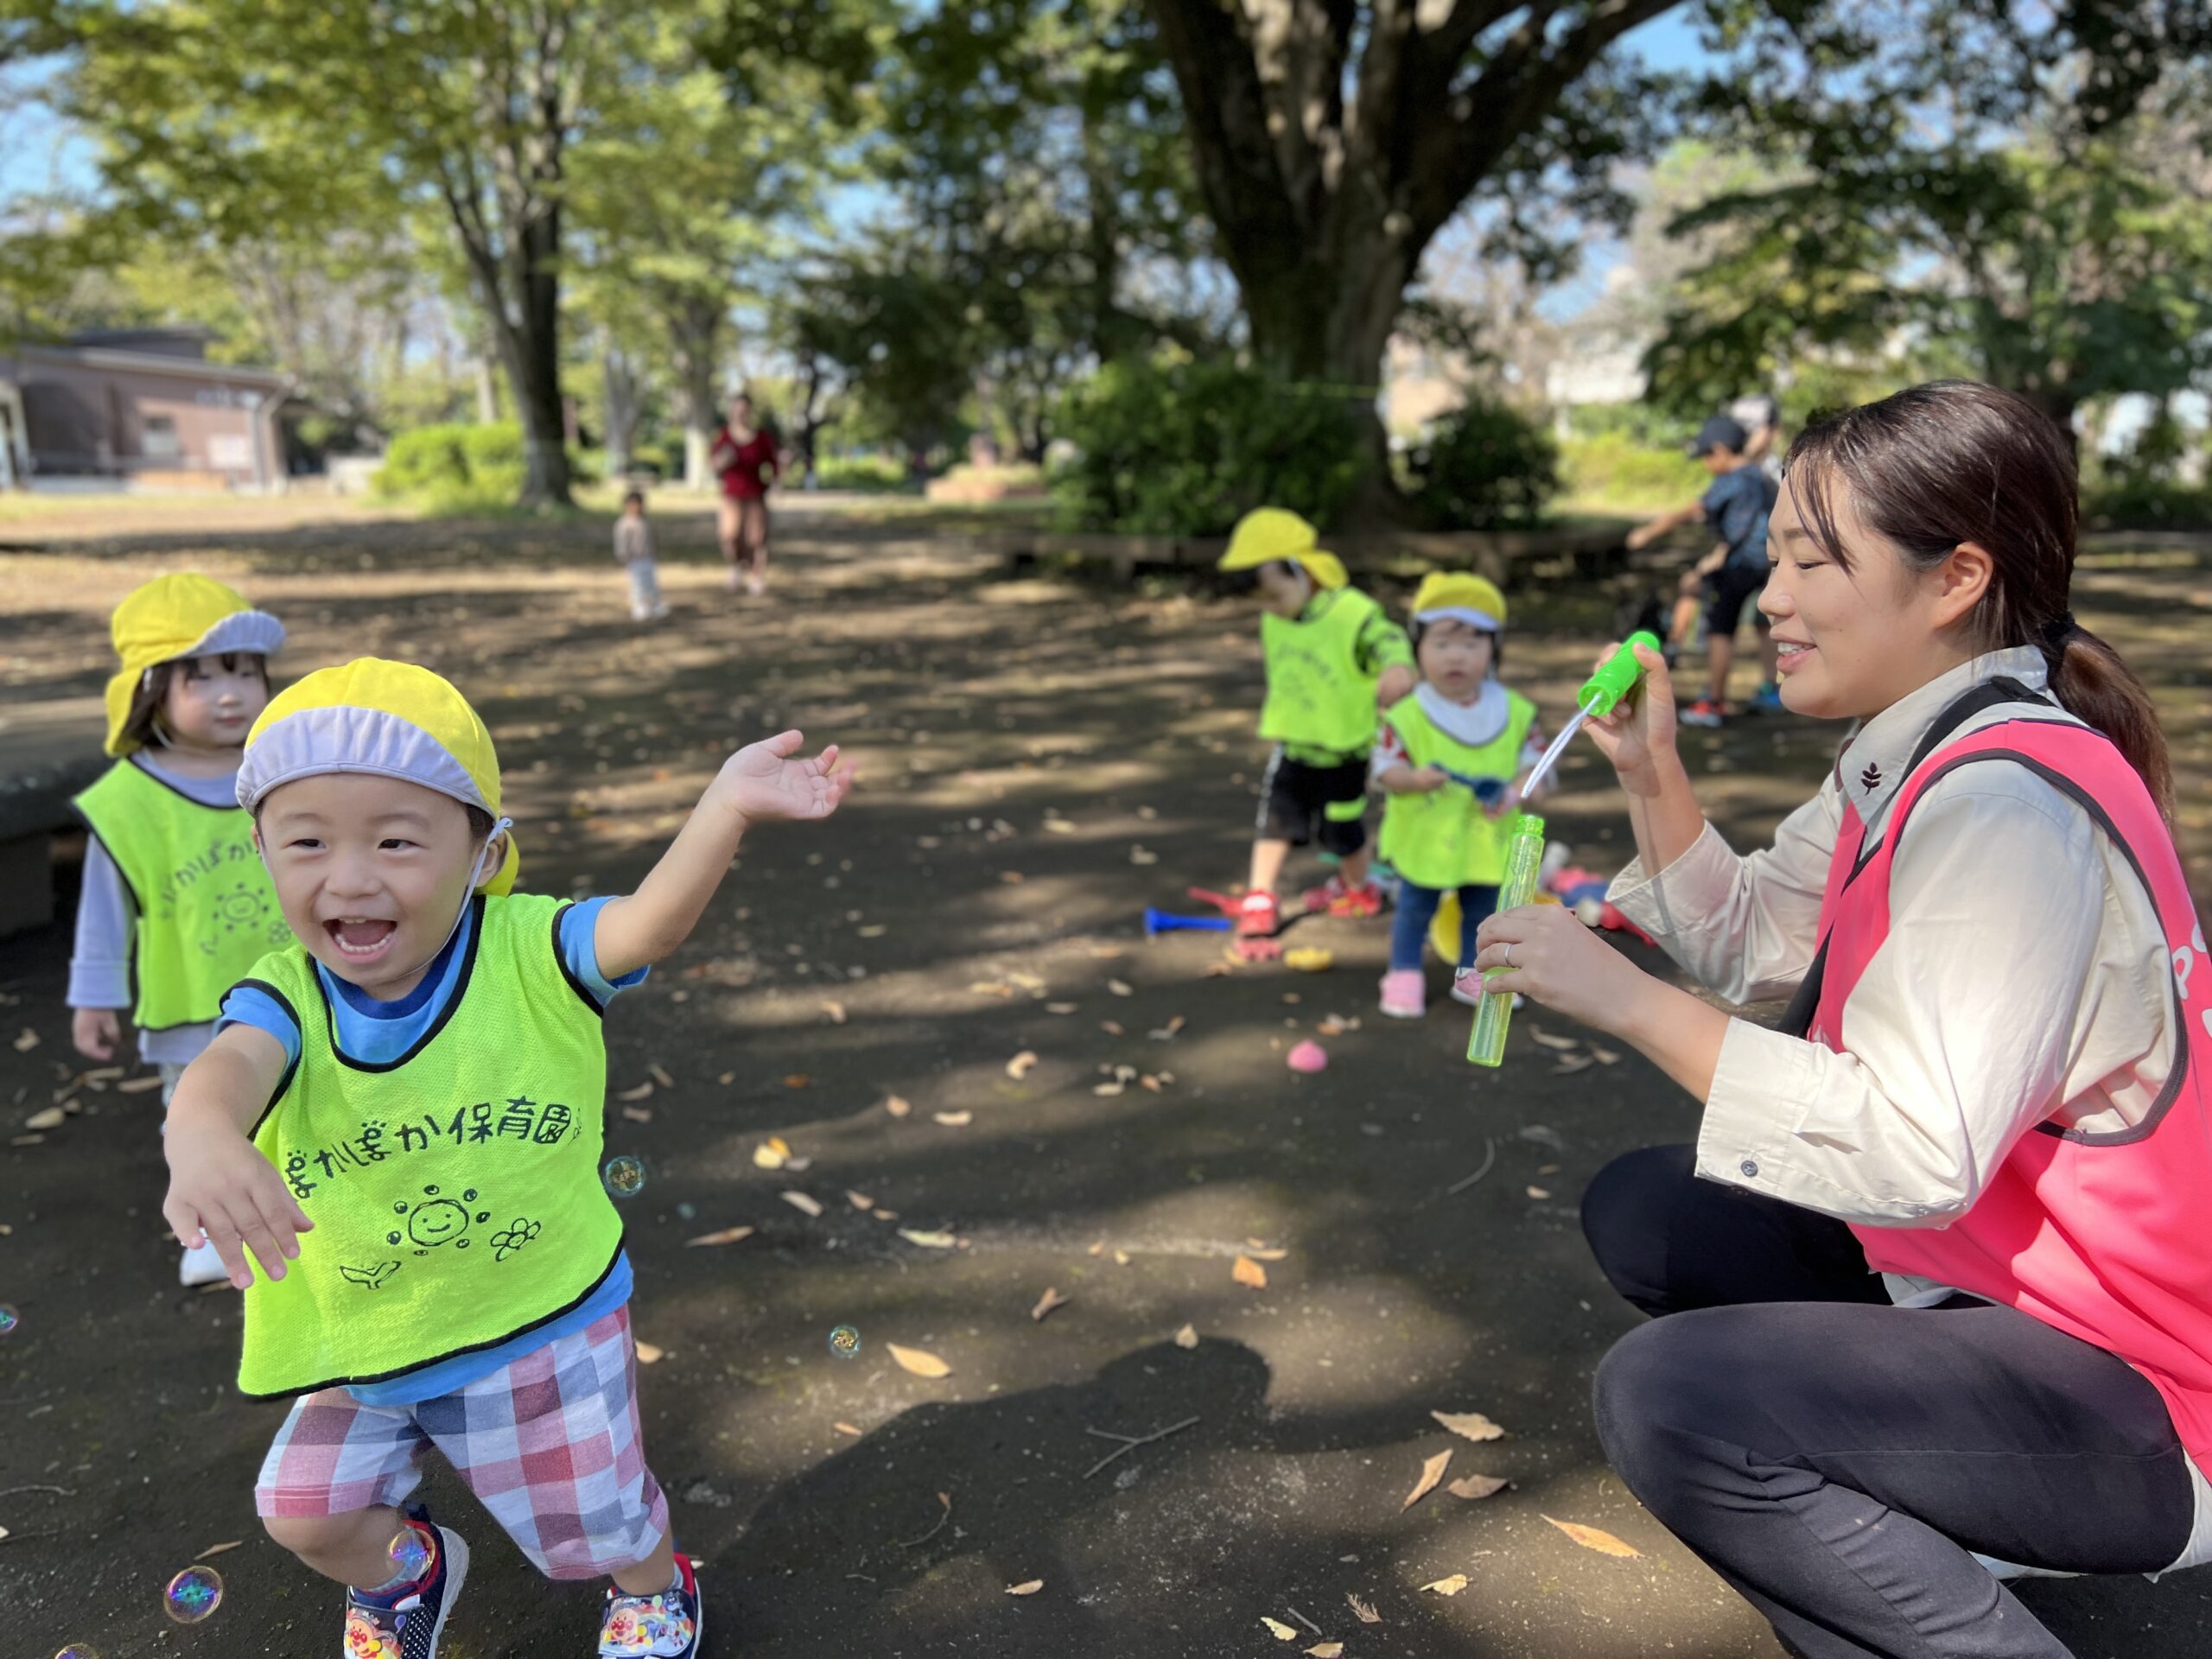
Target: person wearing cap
{"x": 174, "y": 905}
{"x": 1446, "y": 758}
{"x": 1333, "y": 656}
{"x": 401, "y": 1118}
{"x": 1736, "y": 506}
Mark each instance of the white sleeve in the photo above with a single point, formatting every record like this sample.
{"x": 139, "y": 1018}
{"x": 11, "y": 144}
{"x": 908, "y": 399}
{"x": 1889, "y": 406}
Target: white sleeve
{"x": 100, "y": 965}
{"x": 1960, "y": 1030}
{"x": 1744, "y": 927}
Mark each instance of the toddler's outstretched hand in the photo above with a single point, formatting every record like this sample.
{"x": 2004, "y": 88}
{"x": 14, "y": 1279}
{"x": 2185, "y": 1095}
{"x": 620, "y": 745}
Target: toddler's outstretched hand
{"x": 96, "y": 1032}
{"x": 763, "y": 782}
{"x": 224, "y": 1192}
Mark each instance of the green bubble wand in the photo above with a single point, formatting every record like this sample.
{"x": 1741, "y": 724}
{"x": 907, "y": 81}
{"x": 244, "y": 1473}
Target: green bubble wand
{"x": 1524, "y": 851}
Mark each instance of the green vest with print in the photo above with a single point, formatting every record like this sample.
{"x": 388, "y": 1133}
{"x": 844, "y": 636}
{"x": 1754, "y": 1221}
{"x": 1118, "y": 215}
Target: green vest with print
{"x": 455, "y": 1191}
{"x": 206, "y": 912}
{"x": 1316, "y": 696}
{"x": 1444, "y": 838}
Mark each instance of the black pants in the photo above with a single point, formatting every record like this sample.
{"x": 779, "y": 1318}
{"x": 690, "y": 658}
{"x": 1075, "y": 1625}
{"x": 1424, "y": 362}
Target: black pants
{"x": 1836, "y": 1457}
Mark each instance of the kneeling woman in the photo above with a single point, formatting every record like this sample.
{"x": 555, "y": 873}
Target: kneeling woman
{"x": 1936, "y": 1281}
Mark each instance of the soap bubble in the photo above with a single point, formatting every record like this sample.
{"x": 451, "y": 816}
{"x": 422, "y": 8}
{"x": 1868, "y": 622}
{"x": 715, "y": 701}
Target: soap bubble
{"x": 625, "y": 1176}
{"x": 686, "y": 1211}
{"x": 9, "y": 1320}
{"x": 193, "y": 1594}
{"x": 410, "y": 1554}
{"x": 78, "y": 1651}
{"x": 845, "y": 1343}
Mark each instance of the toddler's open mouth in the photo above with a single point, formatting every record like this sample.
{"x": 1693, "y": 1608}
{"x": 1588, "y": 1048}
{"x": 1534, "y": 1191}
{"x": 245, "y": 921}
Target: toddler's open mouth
{"x": 359, "y": 937}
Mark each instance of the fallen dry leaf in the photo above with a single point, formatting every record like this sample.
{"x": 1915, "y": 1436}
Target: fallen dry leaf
{"x": 637, "y": 1114}
{"x": 1593, "y": 1538}
{"x": 1468, "y": 1424}
{"x": 1281, "y": 1631}
{"x": 642, "y": 1091}
{"x": 1021, "y": 1064}
{"x": 873, "y": 930}
{"x": 1260, "y": 1252}
{"x": 1475, "y": 1486}
{"x": 218, "y": 1549}
{"x": 920, "y": 1363}
{"x": 646, "y": 1352}
{"x": 801, "y": 1201}
{"x": 1363, "y": 1611}
{"x": 1119, "y": 988}
{"x": 1050, "y": 1300}
{"x": 1604, "y": 1056}
{"x": 1059, "y": 1008}
{"x": 797, "y": 1080}
{"x": 1219, "y": 970}
{"x": 846, "y": 1428}
{"x": 661, "y": 1077}
{"x": 858, "y": 1200}
{"x": 990, "y": 987}
{"x": 1012, "y": 877}
{"x": 1112, "y": 1027}
{"x": 1550, "y": 1041}
{"x": 727, "y": 1079}
{"x": 1187, "y": 1337}
{"x": 1325, "y": 1650}
{"x": 138, "y": 1086}
{"x": 897, "y": 1106}
{"x": 1166, "y": 1032}
{"x": 27, "y": 1042}
{"x": 1540, "y": 1193}
{"x": 1034, "y": 1585}
{"x": 954, "y": 1120}
{"x": 1120, "y": 1258}
{"x": 727, "y": 1236}
{"x": 1451, "y": 1587}
{"x": 835, "y": 1010}
{"x": 1246, "y": 1271}
{"x": 1143, "y": 855}
{"x": 928, "y": 1240}
{"x": 771, "y": 1153}
{"x": 49, "y": 1119}
{"x": 1432, "y": 1471}
{"x": 1570, "y": 1064}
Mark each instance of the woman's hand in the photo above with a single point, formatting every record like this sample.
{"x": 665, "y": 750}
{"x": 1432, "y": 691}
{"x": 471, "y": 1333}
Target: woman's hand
{"x": 1562, "y": 964}
{"x": 1638, "y": 736}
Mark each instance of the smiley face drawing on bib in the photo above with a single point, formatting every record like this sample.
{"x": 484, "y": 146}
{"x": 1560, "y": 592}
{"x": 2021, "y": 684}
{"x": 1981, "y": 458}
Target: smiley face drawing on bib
{"x": 433, "y": 1220}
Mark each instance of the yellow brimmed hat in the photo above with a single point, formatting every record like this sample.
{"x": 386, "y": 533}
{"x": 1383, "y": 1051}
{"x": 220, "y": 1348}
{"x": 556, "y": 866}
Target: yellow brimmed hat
{"x": 178, "y": 616}
{"x": 392, "y": 719}
{"x": 1270, "y": 533}
{"x": 1460, "y": 597}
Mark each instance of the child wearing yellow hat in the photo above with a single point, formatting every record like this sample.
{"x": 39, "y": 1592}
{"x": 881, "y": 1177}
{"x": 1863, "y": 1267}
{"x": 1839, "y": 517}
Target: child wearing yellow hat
{"x": 174, "y": 905}
{"x": 1446, "y": 760}
{"x": 1333, "y": 655}
{"x": 401, "y": 1118}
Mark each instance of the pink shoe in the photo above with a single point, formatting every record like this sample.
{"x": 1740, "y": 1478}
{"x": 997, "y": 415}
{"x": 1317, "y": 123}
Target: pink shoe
{"x": 1405, "y": 994}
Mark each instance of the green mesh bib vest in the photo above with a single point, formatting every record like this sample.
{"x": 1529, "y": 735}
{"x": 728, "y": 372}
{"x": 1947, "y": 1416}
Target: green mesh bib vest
{"x": 1317, "y": 697}
{"x": 455, "y": 1191}
{"x": 207, "y": 912}
{"x": 1444, "y": 838}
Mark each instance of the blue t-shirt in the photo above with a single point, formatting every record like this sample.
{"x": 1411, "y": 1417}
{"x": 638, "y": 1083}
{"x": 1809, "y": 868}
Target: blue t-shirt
{"x": 373, "y": 1032}
{"x": 1737, "y": 507}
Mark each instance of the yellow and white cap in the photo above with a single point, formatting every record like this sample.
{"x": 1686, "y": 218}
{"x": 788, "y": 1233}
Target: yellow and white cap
{"x": 1460, "y": 597}
{"x": 394, "y": 719}
{"x": 182, "y": 615}
{"x": 1267, "y": 534}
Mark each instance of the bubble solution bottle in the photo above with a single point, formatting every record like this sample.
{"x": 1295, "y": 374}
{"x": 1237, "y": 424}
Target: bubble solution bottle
{"x": 1524, "y": 856}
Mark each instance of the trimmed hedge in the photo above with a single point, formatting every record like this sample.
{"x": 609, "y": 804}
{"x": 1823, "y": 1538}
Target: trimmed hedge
{"x": 1484, "y": 466}
{"x": 454, "y": 461}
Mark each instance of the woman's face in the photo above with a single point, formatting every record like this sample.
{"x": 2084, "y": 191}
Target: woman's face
{"x": 1851, "y": 643}
{"x": 741, "y": 412}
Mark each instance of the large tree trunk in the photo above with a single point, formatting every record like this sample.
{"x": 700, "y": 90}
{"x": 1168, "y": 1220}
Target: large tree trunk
{"x": 624, "y": 412}
{"x": 695, "y": 332}
{"x": 1333, "y": 139}
{"x": 535, "y": 368}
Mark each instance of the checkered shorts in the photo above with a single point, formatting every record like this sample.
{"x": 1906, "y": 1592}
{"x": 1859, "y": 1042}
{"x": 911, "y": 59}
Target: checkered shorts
{"x": 550, "y": 1444}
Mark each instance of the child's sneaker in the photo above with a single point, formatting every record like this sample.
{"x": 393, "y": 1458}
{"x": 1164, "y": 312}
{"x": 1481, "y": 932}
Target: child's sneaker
{"x": 1405, "y": 994}
{"x": 406, "y": 1624}
{"x": 1767, "y": 700}
{"x": 1705, "y": 712}
{"x": 670, "y": 1626}
{"x": 1467, "y": 988}
{"x": 1258, "y": 916}
{"x": 202, "y": 1266}
{"x": 1336, "y": 899}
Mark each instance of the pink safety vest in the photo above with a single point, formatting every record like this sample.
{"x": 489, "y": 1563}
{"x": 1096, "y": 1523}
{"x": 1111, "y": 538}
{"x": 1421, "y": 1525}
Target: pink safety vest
{"x": 2106, "y": 1236}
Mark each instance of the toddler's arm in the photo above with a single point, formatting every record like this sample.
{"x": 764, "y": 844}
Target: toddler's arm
{"x": 1403, "y": 780}
{"x": 99, "y": 964}
{"x": 1649, "y": 531}
{"x": 222, "y": 1191}
{"x": 759, "y": 783}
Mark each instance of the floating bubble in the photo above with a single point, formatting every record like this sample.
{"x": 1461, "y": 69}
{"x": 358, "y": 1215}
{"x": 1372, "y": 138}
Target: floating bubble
{"x": 410, "y": 1554}
{"x": 625, "y": 1176}
{"x": 9, "y": 1320}
{"x": 845, "y": 1343}
{"x": 78, "y": 1651}
{"x": 686, "y": 1211}
{"x": 193, "y": 1594}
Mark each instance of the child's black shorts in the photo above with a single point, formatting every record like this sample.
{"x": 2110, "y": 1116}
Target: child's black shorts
{"x": 1726, "y": 590}
{"x": 1300, "y": 803}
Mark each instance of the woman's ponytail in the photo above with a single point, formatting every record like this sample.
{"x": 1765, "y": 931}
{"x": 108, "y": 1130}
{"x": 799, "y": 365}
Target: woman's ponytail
{"x": 2093, "y": 684}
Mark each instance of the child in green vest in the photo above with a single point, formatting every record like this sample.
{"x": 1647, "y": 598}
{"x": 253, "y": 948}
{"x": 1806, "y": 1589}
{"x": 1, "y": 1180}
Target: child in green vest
{"x": 1333, "y": 657}
{"x": 1446, "y": 760}
{"x": 174, "y": 906}
{"x": 401, "y": 1117}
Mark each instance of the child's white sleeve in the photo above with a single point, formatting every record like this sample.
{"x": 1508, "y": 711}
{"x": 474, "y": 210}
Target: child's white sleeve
{"x": 100, "y": 965}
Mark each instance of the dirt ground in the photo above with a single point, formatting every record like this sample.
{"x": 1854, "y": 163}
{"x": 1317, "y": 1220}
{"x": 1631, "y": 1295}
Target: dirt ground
{"x": 1040, "y": 761}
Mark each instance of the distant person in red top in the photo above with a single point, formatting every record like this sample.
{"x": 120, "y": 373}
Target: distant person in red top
{"x": 745, "y": 455}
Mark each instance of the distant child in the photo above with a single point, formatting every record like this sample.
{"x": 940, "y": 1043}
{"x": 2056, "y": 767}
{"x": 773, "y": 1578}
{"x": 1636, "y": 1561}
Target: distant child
{"x": 402, "y": 1118}
{"x": 1332, "y": 656}
{"x": 1737, "y": 507}
{"x": 1446, "y": 759}
{"x": 175, "y": 903}
{"x": 633, "y": 546}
